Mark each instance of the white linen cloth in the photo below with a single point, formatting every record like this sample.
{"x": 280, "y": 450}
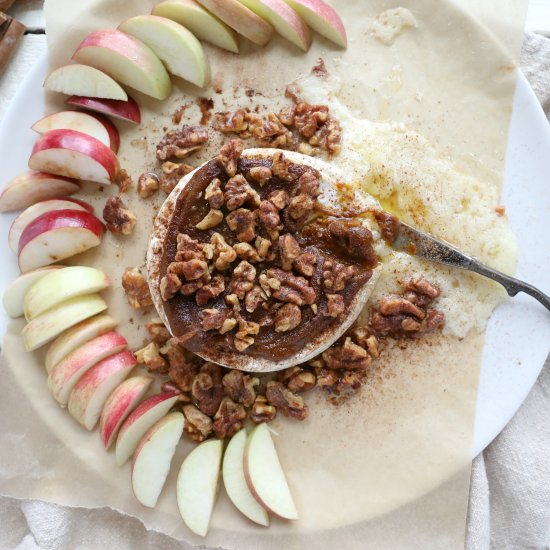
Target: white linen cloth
{"x": 510, "y": 486}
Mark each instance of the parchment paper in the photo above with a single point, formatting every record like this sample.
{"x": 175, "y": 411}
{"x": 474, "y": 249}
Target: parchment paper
{"x": 410, "y": 429}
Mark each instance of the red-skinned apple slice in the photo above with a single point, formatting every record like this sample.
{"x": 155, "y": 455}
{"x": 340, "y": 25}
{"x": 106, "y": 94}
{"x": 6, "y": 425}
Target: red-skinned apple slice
{"x": 14, "y": 295}
{"x": 284, "y": 20}
{"x": 120, "y": 404}
{"x": 31, "y": 187}
{"x": 264, "y": 474}
{"x": 84, "y": 80}
{"x": 66, "y": 373}
{"x": 127, "y": 60}
{"x": 57, "y": 235}
{"x": 240, "y": 18}
{"x": 200, "y": 22}
{"x": 123, "y": 110}
{"x": 51, "y": 324}
{"x": 140, "y": 421}
{"x": 60, "y": 286}
{"x": 235, "y": 482}
{"x": 77, "y": 336}
{"x": 75, "y": 155}
{"x": 197, "y": 485}
{"x": 94, "y": 125}
{"x": 94, "y": 387}
{"x": 36, "y": 210}
{"x": 153, "y": 456}
{"x": 322, "y": 18}
{"x": 178, "y": 48}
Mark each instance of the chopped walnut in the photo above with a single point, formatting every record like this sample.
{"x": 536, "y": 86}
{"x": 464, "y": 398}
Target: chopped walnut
{"x": 305, "y": 264}
{"x": 212, "y": 319}
{"x": 189, "y": 249}
{"x": 229, "y": 156}
{"x": 123, "y": 180}
{"x": 327, "y": 379}
{"x": 254, "y": 298}
{"x": 336, "y": 276}
{"x": 118, "y": 217}
{"x": 238, "y": 193}
{"x": 246, "y": 251}
{"x": 243, "y": 337}
{"x": 212, "y": 219}
{"x": 181, "y": 143}
{"x": 243, "y": 223}
{"x": 214, "y": 194}
{"x": 172, "y": 172}
{"x": 300, "y": 206}
{"x": 287, "y": 318}
{"x": 421, "y": 286}
{"x": 198, "y": 426}
{"x": 309, "y": 118}
{"x": 242, "y": 279}
{"x": 399, "y": 306}
{"x": 268, "y": 215}
{"x": 207, "y": 388}
{"x": 289, "y": 250}
{"x": 232, "y": 122}
{"x": 335, "y": 305}
{"x": 228, "y": 325}
{"x": 262, "y": 246}
{"x": 288, "y": 403}
{"x": 281, "y": 167}
{"x": 148, "y": 185}
{"x": 294, "y": 290}
{"x": 347, "y": 356}
{"x": 182, "y": 369}
{"x": 170, "y": 285}
{"x": 260, "y": 175}
{"x": 157, "y": 331}
{"x": 240, "y": 387}
{"x": 136, "y": 288}
{"x": 151, "y": 358}
{"x": 298, "y": 379}
{"x": 434, "y": 320}
{"x": 224, "y": 255}
{"x": 272, "y": 133}
{"x": 210, "y": 291}
{"x": 261, "y": 411}
{"x": 228, "y": 419}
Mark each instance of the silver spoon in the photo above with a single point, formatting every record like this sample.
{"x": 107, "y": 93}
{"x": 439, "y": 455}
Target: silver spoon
{"x": 425, "y": 246}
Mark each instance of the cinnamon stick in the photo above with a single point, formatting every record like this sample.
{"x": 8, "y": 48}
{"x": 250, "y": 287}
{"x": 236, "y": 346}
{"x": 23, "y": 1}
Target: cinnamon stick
{"x": 10, "y": 33}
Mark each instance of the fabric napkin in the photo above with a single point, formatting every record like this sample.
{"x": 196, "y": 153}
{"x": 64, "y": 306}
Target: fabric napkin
{"x": 510, "y": 485}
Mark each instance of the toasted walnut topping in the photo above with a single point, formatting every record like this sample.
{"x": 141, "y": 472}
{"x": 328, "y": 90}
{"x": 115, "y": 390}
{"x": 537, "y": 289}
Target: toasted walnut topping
{"x": 224, "y": 255}
{"x": 150, "y": 357}
{"x": 171, "y": 174}
{"x": 214, "y": 194}
{"x": 434, "y": 320}
{"x": 212, "y": 319}
{"x": 246, "y": 251}
{"x": 170, "y": 285}
{"x": 288, "y": 403}
{"x": 207, "y": 388}
{"x": 268, "y": 284}
{"x": 233, "y": 122}
{"x": 182, "y": 369}
{"x": 298, "y": 379}
{"x": 243, "y": 337}
{"x": 268, "y": 214}
{"x": 281, "y": 167}
{"x": 243, "y": 223}
{"x": 335, "y": 305}
{"x": 136, "y": 288}
{"x": 287, "y": 318}
{"x": 189, "y": 249}
{"x": 240, "y": 387}
{"x": 300, "y": 206}
{"x": 294, "y": 290}
{"x": 210, "y": 291}
{"x": 336, "y": 276}
{"x": 261, "y": 411}
{"x": 260, "y": 175}
{"x": 181, "y": 143}
{"x": 228, "y": 419}
{"x": 242, "y": 279}
{"x": 212, "y": 219}
{"x": 123, "y": 180}
{"x": 198, "y": 426}
{"x": 262, "y": 246}
{"x": 118, "y": 217}
{"x": 423, "y": 287}
{"x": 233, "y": 301}
{"x": 326, "y": 379}
{"x": 157, "y": 331}
{"x": 148, "y": 185}
{"x": 238, "y": 193}
{"x": 289, "y": 250}
{"x": 228, "y": 325}
{"x": 400, "y": 306}
{"x": 272, "y": 133}
{"x": 305, "y": 264}
{"x": 254, "y": 298}
{"x": 229, "y": 155}
{"x": 347, "y": 356}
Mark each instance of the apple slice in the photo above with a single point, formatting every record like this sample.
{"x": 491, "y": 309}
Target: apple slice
{"x": 14, "y": 294}
{"x": 66, "y": 373}
{"x": 120, "y": 404}
{"x": 94, "y": 387}
{"x": 151, "y": 461}
{"x": 84, "y": 80}
{"x": 178, "y": 48}
{"x": 322, "y": 18}
{"x": 76, "y": 336}
{"x": 284, "y": 20}
{"x": 235, "y": 483}
{"x": 123, "y": 110}
{"x": 63, "y": 285}
{"x": 264, "y": 474}
{"x": 34, "y": 211}
{"x": 197, "y": 485}
{"x": 200, "y": 22}
{"x": 240, "y": 18}
{"x": 140, "y": 420}
{"x": 75, "y": 155}
{"x": 127, "y": 60}
{"x": 31, "y": 187}
{"x": 48, "y": 326}
{"x": 57, "y": 235}
{"x": 96, "y": 126}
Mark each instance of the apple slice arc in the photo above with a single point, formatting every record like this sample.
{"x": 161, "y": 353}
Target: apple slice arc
{"x": 119, "y": 405}
{"x": 36, "y": 210}
{"x": 48, "y": 326}
{"x": 235, "y": 482}
{"x": 75, "y": 337}
{"x": 204, "y": 25}
{"x": 242, "y": 19}
{"x": 64, "y": 375}
{"x": 140, "y": 421}
{"x": 197, "y": 485}
{"x": 123, "y": 110}
{"x": 60, "y": 286}
{"x": 84, "y": 80}
{"x": 153, "y": 456}
{"x": 284, "y": 20}
{"x": 93, "y": 125}
{"x": 264, "y": 474}
{"x": 75, "y": 155}
{"x": 14, "y": 294}
{"x": 94, "y": 387}
{"x": 322, "y": 18}
{"x": 57, "y": 235}
{"x": 31, "y": 187}
{"x": 127, "y": 60}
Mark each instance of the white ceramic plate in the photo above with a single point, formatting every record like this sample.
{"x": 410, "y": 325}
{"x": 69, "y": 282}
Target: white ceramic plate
{"x": 518, "y": 335}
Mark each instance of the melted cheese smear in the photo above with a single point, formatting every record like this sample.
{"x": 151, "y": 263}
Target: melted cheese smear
{"x": 413, "y": 181}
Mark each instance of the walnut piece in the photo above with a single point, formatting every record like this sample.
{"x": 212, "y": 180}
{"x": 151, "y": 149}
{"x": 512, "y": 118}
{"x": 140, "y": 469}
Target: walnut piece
{"x": 223, "y": 254}
{"x": 171, "y": 174}
{"x": 289, "y": 250}
{"x": 207, "y": 388}
{"x": 118, "y": 217}
{"x": 228, "y": 419}
{"x": 123, "y": 180}
{"x": 148, "y": 185}
{"x": 210, "y": 291}
{"x": 261, "y": 411}
{"x": 288, "y": 403}
{"x": 212, "y": 219}
{"x": 260, "y": 175}
{"x": 292, "y": 289}
{"x": 287, "y": 318}
{"x": 151, "y": 358}
{"x": 136, "y": 288}
{"x": 212, "y": 319}
{"x": 238, "y": 193}
{"x": 240, "y": 387}
{"x": 336, "y": 276}
{"x": 157, "y": 331}
{"x": 347, "y": 356}
{"x": 298, "y": 379}
{"x": 335, "y": 305}
{"x": 181, "y": 143}
{"x": 243, "y": 222}
{"x": 229, "y": 156}
{"x": 198, "y": 426}
{"x": 214, "y": 194}
{"x": 242, "y": 279}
